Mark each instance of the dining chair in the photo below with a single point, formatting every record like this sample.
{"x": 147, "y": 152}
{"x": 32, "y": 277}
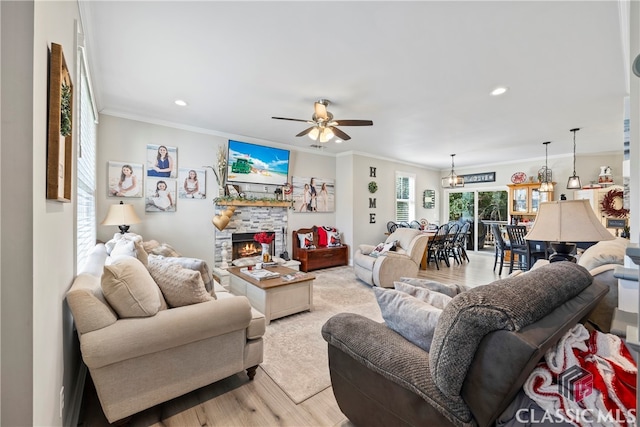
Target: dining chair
{"x": 435, "y": 250}
{"x": 460, "y": 243}
{"x": 501, "y": 246}
{"x": 450, "y": 242}
{"x": 391, "y": 227}
{"x": 519, "y": 246}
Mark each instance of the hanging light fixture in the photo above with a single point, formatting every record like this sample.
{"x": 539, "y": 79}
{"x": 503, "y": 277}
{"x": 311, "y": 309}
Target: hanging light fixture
{"x": 546, "y": 186}
{"x": 452, "y": 180}
{"x": 574, "y": 180}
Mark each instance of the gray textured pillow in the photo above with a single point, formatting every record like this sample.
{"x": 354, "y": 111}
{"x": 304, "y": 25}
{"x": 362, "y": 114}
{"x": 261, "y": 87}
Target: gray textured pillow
{"x": 436, "y": 299}
{"x": 451, "y": 290}
{"x": 180, "y": 286}
{"x": 509, "y": 304}
{"x": 129, "y": 289}
{"x": 412, "y": 318}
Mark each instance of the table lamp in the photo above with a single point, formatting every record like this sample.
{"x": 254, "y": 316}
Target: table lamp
{"x": 121, "y": 215}
{"x": 565, "y": 222}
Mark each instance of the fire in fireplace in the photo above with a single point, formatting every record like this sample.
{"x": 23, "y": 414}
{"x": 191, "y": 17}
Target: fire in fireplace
{"x": 243, "y": 245}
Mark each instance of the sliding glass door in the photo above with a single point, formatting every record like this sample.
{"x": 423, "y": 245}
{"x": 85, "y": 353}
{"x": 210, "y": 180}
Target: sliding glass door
{"x": 482, "y": 208}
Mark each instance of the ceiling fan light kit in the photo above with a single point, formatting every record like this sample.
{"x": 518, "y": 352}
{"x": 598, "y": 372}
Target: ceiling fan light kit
{"x": 324, "y": 126}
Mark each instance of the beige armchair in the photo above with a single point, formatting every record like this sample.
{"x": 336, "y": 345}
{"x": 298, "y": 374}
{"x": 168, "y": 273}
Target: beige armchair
{"x": 390, "y": 266}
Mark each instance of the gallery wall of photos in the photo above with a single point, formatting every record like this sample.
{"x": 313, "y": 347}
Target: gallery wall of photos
{"x": 159, "y": 179}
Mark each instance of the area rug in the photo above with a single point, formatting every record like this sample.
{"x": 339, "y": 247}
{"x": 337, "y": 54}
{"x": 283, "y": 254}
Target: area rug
{"x": 295, "y": 354}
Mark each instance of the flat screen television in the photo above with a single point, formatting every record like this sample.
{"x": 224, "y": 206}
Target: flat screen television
{"x": 257, "y": 164}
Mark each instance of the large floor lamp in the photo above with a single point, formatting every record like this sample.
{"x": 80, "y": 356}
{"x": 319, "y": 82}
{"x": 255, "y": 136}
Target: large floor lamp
{"x": 565, "y": 222}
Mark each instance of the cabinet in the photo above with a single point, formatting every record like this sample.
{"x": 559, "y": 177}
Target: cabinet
{"x": 525, "y": 199}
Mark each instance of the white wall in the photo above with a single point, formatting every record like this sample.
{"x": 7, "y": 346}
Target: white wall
{"x": 53, "y": 228}
{"x": 16, "y": 149}
{"x": 189, "y": 229}
{"x": 37, "y": 235}
{"x": 363, "y": 230}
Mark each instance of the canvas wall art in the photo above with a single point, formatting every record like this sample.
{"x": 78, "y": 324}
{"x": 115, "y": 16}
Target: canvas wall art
{"x": 160, "y": 195}
{"x": 192, "y": 183}
{"x": 124, "y": 179}
{"x": 162, "y": 161}
{"x": 311, "y": 194}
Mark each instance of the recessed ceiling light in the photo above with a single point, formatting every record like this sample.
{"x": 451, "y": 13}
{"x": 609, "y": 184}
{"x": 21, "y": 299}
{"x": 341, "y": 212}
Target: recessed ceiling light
{"x": 180, "y": 102}
{"x": 499, "y": 91}
{"x": 339, "y": 141}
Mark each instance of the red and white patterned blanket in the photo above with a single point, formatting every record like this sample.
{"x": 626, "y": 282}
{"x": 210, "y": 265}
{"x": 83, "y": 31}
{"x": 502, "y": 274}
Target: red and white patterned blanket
{"x": 601, "y": 392}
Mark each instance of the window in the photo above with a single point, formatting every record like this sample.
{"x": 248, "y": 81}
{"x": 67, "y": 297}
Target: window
{"x": 405, "y": 197}
{"x": 86, "y": 167}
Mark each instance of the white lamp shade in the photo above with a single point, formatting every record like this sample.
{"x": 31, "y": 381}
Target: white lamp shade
{"x": 121, "y": 214}
{"x": 568, "y": 221}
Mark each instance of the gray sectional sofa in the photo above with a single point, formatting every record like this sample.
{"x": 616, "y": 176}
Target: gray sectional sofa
{"x": 486, "y": 343}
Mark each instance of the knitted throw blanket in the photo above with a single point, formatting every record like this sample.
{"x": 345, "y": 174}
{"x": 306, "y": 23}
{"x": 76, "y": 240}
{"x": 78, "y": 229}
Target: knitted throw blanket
{"x": 587, "y": 379}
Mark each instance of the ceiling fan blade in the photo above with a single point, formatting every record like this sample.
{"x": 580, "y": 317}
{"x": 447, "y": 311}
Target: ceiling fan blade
{"x": 340, "y": 134}
{"x": 306, "y": 131}
{"x": 321, "y": 111}
{"x": 294, "y": 120}
{"x": 353, "y": 122}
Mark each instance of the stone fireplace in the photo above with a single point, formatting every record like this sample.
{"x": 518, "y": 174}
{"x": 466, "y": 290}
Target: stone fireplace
{"x": 245, "y": 222}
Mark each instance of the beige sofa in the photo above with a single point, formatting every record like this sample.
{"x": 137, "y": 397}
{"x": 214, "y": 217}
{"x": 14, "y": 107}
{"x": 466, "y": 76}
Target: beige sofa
{"x": 388, "y": 267}
{"x": 139, "y": 362}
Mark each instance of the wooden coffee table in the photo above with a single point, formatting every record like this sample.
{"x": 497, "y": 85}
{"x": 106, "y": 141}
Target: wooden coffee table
{"x": 275, "y": 297}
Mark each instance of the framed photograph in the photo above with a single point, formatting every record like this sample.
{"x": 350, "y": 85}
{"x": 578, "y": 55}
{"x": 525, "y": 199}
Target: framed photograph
{"x": 60, "y": 127}
{"x": 162, "y": 161}
{"x": 192, "y": 183}
{"x": 313, "y": 194}
{"x": 160, "y": 195}
{"x": 232, "y": 190}
{"x": 124, "y": 179}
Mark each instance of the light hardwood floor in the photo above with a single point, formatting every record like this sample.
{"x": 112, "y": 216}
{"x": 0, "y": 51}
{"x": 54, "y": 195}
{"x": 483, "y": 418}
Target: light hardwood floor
{"x": 236, "y": 401}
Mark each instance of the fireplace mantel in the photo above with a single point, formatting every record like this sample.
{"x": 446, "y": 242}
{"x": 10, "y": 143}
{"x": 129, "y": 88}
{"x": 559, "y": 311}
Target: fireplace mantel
{"x": 241, "y": 202}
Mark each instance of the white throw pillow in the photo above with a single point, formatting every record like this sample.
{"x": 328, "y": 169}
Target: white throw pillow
{"x": 124, "y": 248}
{"x": 382, "y": 248}
{"x": 180, "y": 286}
{"x": 333, "y": 239}
{"x": 305, "y": 240}
{"x": 129, "y": 288}
{"x": 415, "y": 320}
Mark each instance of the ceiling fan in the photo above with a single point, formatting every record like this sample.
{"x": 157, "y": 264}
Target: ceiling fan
{"x": 324, "y": 126}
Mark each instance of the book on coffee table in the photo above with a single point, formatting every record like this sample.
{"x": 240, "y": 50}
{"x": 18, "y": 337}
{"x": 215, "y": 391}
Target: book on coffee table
{"x": 261, "y": 274}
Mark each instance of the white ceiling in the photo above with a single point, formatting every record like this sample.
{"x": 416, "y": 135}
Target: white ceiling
{"x": 422, "y": 71}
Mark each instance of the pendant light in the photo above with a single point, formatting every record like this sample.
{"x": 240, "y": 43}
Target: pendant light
{"x": 452, "y": 180}
{"x": 574, "y": 180}
{"x": 546, "y": 186}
